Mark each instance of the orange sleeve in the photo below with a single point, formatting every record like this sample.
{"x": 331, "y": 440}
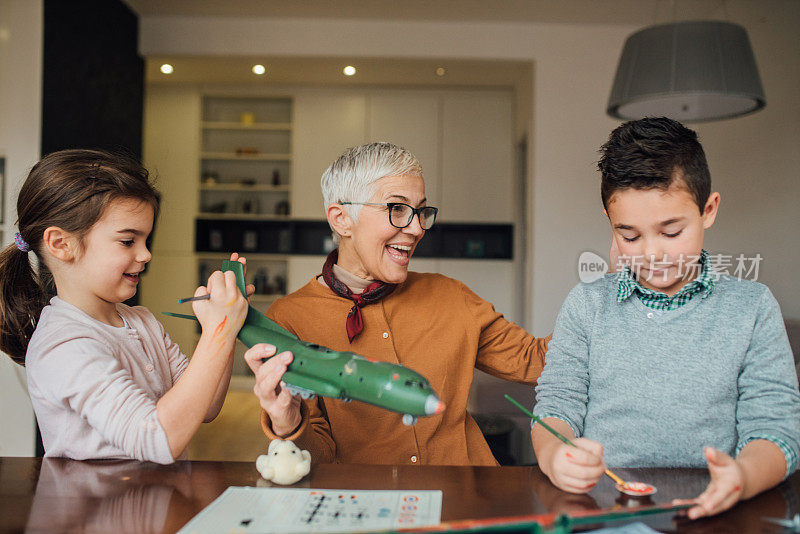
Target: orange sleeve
{"x": 314, "y": 432}
{"x": 505, "y": 349}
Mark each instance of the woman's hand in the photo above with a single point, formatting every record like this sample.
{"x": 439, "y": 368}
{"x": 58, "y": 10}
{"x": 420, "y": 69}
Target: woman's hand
{"x": 576, "y": 469}
{"x": 283, "y": 409}
{"x": 724, "y": 490}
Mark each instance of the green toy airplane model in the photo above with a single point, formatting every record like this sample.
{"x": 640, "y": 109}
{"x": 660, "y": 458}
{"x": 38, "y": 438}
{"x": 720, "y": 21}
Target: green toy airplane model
{"x": 317, "y": 370}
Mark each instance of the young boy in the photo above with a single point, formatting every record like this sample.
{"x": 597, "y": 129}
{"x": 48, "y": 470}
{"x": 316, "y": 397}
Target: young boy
{"x": 667, "y": 363}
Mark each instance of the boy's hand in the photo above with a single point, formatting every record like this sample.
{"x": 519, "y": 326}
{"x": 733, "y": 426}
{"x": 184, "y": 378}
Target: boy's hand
{"x": 576, "y": 469}
{"x": 283, "y": 409}
{"x": 221, "y": 316}
{"x": 724, "y": 490}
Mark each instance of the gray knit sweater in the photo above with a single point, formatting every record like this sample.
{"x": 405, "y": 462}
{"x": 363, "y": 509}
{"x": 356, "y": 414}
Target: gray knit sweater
{"x": 655, "y": 387}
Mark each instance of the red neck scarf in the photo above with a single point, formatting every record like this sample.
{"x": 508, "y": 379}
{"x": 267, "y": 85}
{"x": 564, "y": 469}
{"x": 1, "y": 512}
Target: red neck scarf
{"x": 373, "y": 293}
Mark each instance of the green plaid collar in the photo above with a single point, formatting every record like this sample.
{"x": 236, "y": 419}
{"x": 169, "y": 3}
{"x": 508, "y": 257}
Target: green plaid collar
{"x": 627, "y": 285}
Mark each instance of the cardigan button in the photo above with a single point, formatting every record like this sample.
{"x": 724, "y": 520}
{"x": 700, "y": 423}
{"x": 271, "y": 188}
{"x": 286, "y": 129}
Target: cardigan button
{"x": 650, "y": 315}
{"x": 414, "y": 459}
{"x": 385, "y": 335}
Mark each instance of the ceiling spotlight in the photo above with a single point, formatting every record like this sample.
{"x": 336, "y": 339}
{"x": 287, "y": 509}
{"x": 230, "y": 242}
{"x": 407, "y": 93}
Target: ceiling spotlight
{"x": 259, "y": 69}
{"x": 440, "y": 71}
{"x": 349, "y": 70}
{"x": 166, "y": 68}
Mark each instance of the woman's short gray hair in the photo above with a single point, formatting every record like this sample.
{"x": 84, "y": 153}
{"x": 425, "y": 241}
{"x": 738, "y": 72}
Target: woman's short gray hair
{"x": 352, "y": 177}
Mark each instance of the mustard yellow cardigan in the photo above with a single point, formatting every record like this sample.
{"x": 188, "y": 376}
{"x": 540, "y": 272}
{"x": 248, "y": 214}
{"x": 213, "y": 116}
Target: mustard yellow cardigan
{"x": 430, "y": 323}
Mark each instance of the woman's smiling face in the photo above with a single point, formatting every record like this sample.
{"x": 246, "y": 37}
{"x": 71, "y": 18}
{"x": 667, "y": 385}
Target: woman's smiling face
{"x": 376, "y": 250}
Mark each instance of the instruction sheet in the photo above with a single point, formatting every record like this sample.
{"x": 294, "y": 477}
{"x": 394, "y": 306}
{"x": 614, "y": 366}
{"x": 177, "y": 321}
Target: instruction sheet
{"x": 251, "y": 510}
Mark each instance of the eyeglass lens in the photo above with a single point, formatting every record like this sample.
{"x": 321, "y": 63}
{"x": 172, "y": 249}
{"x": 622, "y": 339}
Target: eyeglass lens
{"x": 402, "y": 214}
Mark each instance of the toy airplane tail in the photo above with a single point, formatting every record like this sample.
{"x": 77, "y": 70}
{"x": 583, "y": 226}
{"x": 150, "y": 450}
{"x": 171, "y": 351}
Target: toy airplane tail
{"x": 254, "y": 317}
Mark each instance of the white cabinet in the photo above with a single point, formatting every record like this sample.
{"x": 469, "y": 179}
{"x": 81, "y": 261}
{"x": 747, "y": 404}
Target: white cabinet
{"x": 464, "y": 140}
{"x": 410, "y": 119}
{"x": 171, "y": 154}
{"x": 477, "y": 157}
{"x": 326, "y": 123}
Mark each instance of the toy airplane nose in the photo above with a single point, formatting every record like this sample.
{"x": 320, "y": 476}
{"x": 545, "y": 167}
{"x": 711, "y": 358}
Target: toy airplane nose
{"x": 433, "y": 405}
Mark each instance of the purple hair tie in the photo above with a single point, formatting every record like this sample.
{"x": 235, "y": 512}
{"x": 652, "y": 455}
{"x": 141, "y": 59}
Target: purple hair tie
{"x": 21, "y": 243}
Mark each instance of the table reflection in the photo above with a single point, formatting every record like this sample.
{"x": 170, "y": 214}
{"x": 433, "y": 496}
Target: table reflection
{"x": 107, "y": 496}
{"x": 59, "y": 495}
{"x": 780, "y": 502}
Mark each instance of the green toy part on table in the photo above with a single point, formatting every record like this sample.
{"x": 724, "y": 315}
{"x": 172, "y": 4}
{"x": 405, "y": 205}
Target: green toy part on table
{"x": 318, "y": 370}
{"x": 548, "y": 523}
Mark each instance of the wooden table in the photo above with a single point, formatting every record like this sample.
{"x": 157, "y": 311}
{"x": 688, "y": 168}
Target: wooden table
{"x": 57, "y": 495}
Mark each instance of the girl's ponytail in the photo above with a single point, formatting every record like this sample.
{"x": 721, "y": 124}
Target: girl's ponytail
{"x": 22, "y": 297}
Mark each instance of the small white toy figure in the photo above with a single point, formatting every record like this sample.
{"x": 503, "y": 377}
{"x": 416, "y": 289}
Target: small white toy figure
{"x": 284, "y": 462}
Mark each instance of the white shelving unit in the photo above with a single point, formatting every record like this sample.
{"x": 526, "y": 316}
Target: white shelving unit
{"x": 246, "y": 174}
{"x": 245, "y": 157}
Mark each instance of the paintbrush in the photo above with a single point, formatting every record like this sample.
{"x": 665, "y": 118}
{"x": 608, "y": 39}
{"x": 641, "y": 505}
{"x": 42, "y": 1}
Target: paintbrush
{"x": 192, "y": 299}
{"x": 560, "y": 436}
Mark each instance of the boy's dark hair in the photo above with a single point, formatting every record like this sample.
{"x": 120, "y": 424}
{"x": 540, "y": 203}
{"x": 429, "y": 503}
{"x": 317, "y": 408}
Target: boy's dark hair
{"x": 69, "y": 189}
{"x": 653, "y": 153}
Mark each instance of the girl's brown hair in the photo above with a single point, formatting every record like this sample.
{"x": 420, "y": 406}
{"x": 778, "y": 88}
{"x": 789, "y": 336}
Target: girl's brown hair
{"x": 69, "y": 189}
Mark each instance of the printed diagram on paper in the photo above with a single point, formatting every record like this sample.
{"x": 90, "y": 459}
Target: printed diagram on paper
{"x": 249, "y": 510}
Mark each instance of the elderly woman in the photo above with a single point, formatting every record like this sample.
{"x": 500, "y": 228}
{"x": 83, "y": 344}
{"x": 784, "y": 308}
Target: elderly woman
{"x": 366, "y": 301}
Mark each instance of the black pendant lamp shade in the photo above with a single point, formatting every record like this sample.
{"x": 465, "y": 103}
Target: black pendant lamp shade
{"x": 688, "y": 71}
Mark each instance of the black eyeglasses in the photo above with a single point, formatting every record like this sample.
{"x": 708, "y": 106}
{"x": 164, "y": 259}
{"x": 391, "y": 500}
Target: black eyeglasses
{"x": 401, "y": 215}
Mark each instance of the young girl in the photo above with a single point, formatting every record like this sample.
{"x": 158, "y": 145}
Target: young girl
{"x": 104, "y": 378}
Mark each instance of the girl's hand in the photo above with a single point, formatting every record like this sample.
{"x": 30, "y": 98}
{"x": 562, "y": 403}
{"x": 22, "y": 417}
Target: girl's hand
{"x": 576, "y": 469}
{"x": 221, "y": 316}
{"x": 724, "y": 490}
{"x": 283, "y": 409}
